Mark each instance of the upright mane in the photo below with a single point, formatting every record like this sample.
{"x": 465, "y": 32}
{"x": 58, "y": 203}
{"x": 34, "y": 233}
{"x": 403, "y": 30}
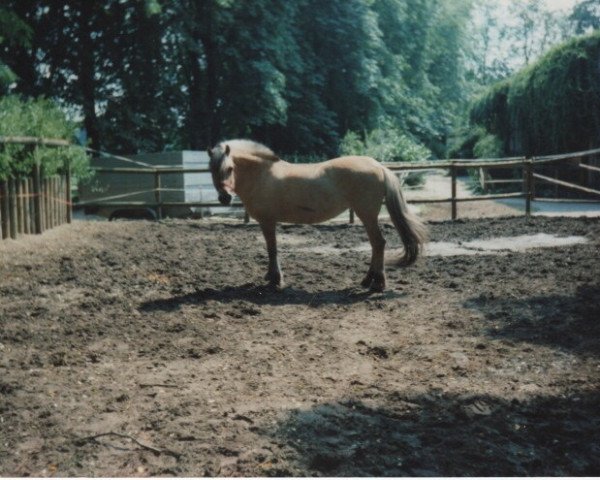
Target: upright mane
{"x": 250, "y": 147}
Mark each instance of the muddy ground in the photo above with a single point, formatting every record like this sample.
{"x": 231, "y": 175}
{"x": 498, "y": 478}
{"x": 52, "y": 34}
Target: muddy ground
{"x": 138, "y": 348}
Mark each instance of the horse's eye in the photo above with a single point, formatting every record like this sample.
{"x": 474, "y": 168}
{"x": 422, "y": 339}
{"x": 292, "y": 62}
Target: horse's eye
{"x": 229, "y": 170}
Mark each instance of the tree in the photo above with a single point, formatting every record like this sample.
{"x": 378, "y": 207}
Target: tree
{"x": 141, "y": 113}
{"x": 504, "y": 41}
{"x": 487, "y": 62}
{"x": 549, "y": 107}
{"x": 155, "y": 74}
{"x": 423, "y": 82}
{"x": 586, "y": 16}
{"x": 15, "y": 33}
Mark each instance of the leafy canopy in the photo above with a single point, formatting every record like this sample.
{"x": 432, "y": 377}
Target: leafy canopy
{"x": 37, "y": 118}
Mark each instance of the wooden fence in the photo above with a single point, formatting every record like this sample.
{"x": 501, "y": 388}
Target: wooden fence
{"x": 34, "y": 204}
{"x": 526, "y": 182}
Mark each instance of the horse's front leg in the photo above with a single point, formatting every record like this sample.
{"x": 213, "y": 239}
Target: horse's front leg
{"x": 274, "y": 275}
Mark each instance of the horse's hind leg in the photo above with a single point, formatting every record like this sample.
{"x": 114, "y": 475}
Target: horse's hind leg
{"x": 375, "y": 278}
{"x": 274, "y": 275}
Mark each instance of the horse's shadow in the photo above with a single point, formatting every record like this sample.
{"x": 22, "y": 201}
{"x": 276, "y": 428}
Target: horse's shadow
{"x": 265, "y": 295}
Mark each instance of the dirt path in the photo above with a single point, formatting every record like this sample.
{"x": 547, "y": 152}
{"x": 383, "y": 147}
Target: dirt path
{"x": 137, "y": 348}
{"x": 437, "y": 185}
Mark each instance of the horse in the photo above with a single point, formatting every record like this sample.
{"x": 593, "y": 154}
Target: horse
{"x": 273, "y": 190}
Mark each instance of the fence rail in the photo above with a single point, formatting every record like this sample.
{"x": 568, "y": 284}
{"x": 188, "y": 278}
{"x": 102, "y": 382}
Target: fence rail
{"x": 34, "y": 205}
{"x": 453, "y": 166}
{"x": 526, "y": 164}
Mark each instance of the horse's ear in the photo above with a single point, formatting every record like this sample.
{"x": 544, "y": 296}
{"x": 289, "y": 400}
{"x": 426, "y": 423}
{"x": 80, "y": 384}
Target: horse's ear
{"x": 227, "y": 150}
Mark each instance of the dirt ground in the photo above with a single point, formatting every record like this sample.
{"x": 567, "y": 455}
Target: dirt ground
{"x": 153, "y": 349}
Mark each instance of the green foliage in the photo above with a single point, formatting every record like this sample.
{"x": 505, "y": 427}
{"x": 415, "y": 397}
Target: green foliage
{"x": 549, "y": 107}
{"x": 490, "y": 109}
{"x": 158, "y": 74}
{"x": 37, "y": 118}
{"x": 386, "y": 144}
{"x": 462, "y": 143}
{"x": 488, "y": 146}
{"x": 586, "y": 16}
{"x": 13, "y": 31}
{"x": 423, "y": 84}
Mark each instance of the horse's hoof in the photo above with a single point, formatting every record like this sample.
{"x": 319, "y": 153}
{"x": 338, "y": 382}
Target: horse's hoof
{"x": 367, "y": 281}
{"x": 378, "y": 284}
{"x": 275, "y": 287}
{"x": 274, "y": 279}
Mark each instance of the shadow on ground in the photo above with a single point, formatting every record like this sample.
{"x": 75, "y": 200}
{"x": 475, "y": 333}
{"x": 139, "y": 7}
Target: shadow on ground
{"x": 568, "y": 322}
{"x": 265, "y": 295}
{"x": 441, "y": 435}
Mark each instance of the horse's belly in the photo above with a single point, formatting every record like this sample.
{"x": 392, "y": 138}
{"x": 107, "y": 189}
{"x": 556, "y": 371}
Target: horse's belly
{"x": 310, "y": 214}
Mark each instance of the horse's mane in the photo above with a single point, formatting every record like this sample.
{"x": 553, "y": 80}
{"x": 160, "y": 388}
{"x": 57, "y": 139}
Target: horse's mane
{"x": 250, "y": 147}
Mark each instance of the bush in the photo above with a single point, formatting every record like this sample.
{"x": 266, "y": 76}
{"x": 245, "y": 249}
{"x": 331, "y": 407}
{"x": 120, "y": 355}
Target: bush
{"x": 37, "y": 118}
{"x": 385, "y": 144}
{"x": 461, "y": 145}
{"x": 488, "y": 146}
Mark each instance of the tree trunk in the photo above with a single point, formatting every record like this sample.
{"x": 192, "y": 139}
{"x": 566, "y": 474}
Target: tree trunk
{"x": 196, "y": 120}
{"x": 86, "y": 75}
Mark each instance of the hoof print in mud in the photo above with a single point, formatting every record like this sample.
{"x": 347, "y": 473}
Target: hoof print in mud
{"x": 376, "y": 351}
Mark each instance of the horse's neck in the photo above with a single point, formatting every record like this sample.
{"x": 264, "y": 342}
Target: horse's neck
{"x": 248, "y": 175}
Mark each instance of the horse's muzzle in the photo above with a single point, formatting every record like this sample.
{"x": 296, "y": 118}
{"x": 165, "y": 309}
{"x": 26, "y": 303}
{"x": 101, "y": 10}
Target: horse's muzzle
{"x": 225, "y": 198}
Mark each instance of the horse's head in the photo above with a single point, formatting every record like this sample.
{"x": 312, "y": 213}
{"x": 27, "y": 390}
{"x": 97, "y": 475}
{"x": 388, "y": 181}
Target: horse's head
{"x": 221, "y": 168}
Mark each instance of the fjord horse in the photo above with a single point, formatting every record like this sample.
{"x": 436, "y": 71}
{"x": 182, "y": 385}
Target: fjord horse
{"x": 273, "y": 190}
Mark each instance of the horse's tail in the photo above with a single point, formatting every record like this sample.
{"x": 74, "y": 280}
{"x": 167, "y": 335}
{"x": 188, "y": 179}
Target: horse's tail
{"x": 412, "y": 230}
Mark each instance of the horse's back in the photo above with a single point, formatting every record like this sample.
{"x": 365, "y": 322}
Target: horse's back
{"x": 357, "y": 177}
{"x": 354, "y": 163}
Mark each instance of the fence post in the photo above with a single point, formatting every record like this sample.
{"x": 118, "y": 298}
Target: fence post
{"x": 58, "y": 202}
{"x": 30, "y": 208}
{"x": 453, "y": 175}
{"x": 46, "y": 202}
{"x": 246, "y": 216}
{"x": 64, "y": 207}
{"x": 527, "y": 178}
{"x": 37, "y": 199}
{"x": 68, "y": 198}
{"x": 532, "y": 181}
{"x": 12, "y": 207}
{"x": 4, "y": 208}
{"x": 19, "y": 192}
{"x": 157, "y": 196}
{"x": 25, "y": 200}
{"x": 52, "y": 198}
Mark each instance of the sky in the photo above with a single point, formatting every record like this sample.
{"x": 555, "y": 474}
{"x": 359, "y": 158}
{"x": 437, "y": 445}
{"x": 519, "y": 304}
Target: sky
{"x": 502, "y": 49}
{"x": 560, "y": 4}
{"x": 551, "y": 4}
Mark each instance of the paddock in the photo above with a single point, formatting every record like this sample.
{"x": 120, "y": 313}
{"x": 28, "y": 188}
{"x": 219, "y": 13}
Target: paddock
{"x": 137, "y": 348}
